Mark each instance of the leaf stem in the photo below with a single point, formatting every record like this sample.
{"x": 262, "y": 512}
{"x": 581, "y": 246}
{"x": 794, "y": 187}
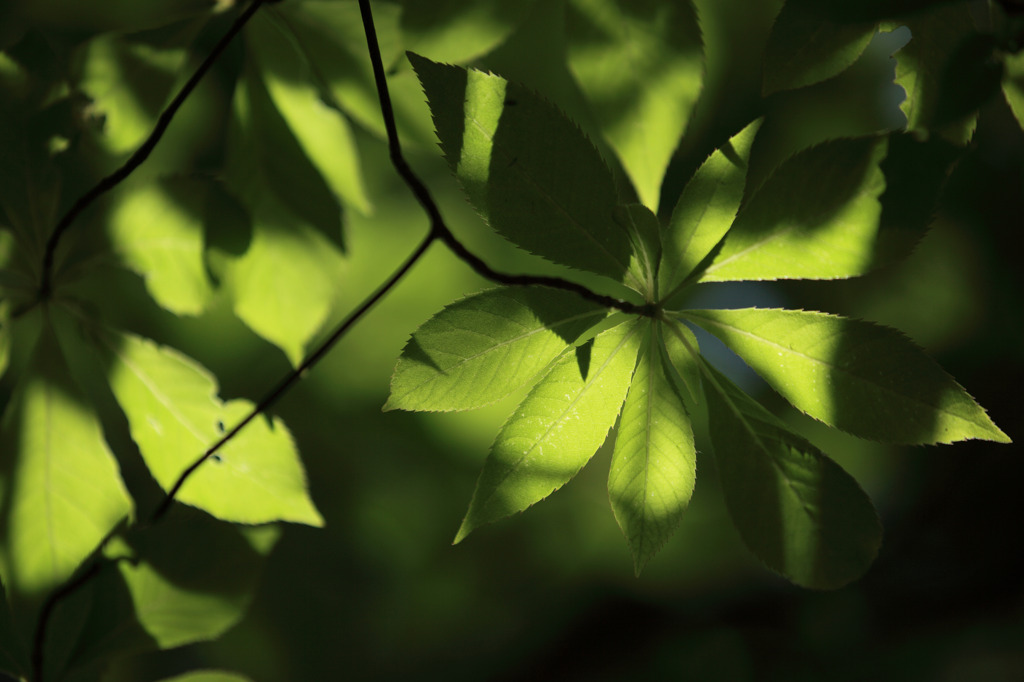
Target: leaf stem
{"x": 141, "y": 154}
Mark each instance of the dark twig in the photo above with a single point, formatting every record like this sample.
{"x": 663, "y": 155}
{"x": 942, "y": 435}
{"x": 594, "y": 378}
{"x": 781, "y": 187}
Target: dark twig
{"x": 140, "y": 155}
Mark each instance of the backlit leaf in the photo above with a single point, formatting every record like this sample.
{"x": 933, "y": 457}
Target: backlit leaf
{"x": 174, "y": 415}
{"x": 557, "y": 428}
{"x": 283, "y": 286}
{"x": 654, "y": 463}
{"x": 795, "y": 508}
{"x": 322, "y": 132}
{"x": 946, "y": 71}
{"x": 484, "y": 347}
{"x": 208, "y": 676}
{"x": 806, "y": 48}
{"x": 815, "y": 218}
{"x": 157, "y": 229}
{"x": 188, "y": 579}
{"x": 459, "y": 30}
{"x": 640, "y": 64}
{"x": 681, "y": 357}
{"x": 531, "y": 173}
{"x": 863, "y": 378}
{"x": 60, "y": 485}
{"x": 1013, "y": 85}
{"x": 706, "y": 209}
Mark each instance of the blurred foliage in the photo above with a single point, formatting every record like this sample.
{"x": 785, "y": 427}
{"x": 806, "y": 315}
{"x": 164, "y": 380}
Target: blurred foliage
{"x": 379, "y": 593}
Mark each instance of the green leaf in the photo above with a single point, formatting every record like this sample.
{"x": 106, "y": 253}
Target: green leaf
{"x": 283, "y": 286}
{"x": 128, "y": 83}
{"x": 680, "y": 350}
{"x": 188, "y": 579}
{"x": 480, "y": 349}
{"x": 795, "y": 508}
{"x": 557, "y": 428}
{"x": 459, "y": 30}
{"x": 640, "y": 64}
{"x": 157, "y": 229}
{"x": 806, "y": 48}
{"x": 644, "y": 231}
{"x": 264, "y": 161}
{"x": 321, "y": 131}
{"x": 863, "y": 378}
{"x": 331, "y": 36}
{"x": 1013, "y": 84}
{"x": 946, "y": 71}
{"x": 531, "y": 173}
{"x": 174, "y": 416}
{"x": 815, "y": 218}
{"x": 60, "y": 485}
{"x": 654, "y": 463}
{"x": 706, "y": 209}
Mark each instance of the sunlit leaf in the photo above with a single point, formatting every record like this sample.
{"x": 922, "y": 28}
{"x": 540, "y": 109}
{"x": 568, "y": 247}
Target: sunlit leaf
{"x": 484, "y": 347}
{"x": 1013, "y": 84}
{"x": 706, "y": 209}
{"x": 863, "y": 378}
{"x": 322, "y": 131}
{"x": 530, "y": 171}
{"x": 654, "y": 463}
{"x": 174, "y": 415}
{"x": 157, "y": 229}
{"x": 265, "y": 162}
{"x": 459, "y": 30}
{"x": 557, "y": 428}
{"x": 331, "y": 36}
{"x": 681, "y": 353}
{"x": 796, "y": 509}
{"x": 60, "y": 485}
{"x": 946, "y": 71}
{"x": 640, "y": 64}
{"x": 284, "y": 285}
{"x": 806, "y": 48}
{"x": 187, "y": 579}
{"x": 815, "y": 218}
{"x": 128, "y": 83}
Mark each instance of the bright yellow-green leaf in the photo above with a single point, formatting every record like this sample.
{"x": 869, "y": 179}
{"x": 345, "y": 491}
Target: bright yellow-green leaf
{"x": 128, "y": 84}
{"x": 654, "y": 463}
{"x": 640, "y": 64}
{"x": 484, "y": 347}
{"x": 459, "y": 30}
{"x": 863, "y": 378}
{"x": 557, "y": 428}
{"x": 681, "y": 357}
{"x": 322, "y": 131}
{"x": 283, "y": 286}
{"x": 157, "y": 229}
{"x": 60, "y": 487}
{"x": 174, "y": 415}
{"x": 705, "y": 209}
{"x": 815, "y": 218}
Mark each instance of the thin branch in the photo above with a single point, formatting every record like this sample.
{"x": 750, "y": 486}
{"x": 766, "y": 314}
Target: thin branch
{"x": 141, "y": 154}
{"x": 298, "y": 373}
{"x": 437, "y": 224}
